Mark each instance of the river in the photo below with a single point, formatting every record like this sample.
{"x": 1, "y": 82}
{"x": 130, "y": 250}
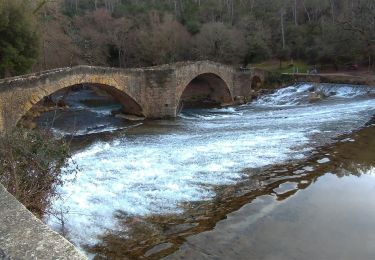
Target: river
{"x": 279, "y": 178}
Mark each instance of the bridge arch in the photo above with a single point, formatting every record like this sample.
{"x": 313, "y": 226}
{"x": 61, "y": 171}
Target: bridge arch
{"x": 256, "y": 82}
{"x": 204, "y": 90}
{"x": 19, "y": 100}
{"x": 129, "y": 105}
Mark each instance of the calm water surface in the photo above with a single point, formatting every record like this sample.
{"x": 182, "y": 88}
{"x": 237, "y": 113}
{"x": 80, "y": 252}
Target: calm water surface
{"x": 280, "y": 178}
{"x": 328, "y": 213}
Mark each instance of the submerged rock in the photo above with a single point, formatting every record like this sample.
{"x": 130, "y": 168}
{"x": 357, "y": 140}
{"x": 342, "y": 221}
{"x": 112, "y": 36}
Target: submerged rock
{"x": 3, "y": 256}
{"x": 130, "y": 117}
{"x": 239, "y": 100}
{"x": 311, "y": 89}
{"x": 316, "y": 96}
{"x": 227, "y": 104}
{"x": 175, "y": 229}
{"x": 158, "y": 248}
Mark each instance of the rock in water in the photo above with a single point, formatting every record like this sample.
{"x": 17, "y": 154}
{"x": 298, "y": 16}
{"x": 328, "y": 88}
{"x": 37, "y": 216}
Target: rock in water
{"x": 316, "y": 96}
{"x": 130, "y": 117}
{"x": 239, "y": 100}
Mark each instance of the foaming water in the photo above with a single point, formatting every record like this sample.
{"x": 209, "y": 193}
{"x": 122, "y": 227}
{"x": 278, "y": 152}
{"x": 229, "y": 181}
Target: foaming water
{"x": 292, "y": 95}
{"x": 298, "y": 94}
{"x": 88, "y": 114}
{"x": 155, "y": 168}
{"x": 97, "y": 129}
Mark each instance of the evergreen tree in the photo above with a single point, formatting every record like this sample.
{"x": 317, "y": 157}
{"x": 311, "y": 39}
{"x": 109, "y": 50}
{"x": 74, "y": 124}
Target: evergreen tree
{"x": 19, "y": 42}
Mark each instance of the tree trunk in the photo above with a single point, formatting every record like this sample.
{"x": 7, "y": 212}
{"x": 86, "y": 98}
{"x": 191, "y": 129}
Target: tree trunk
{"x": 295, "y": 13}
{"x": 369, "y": 62}
{"x": 332, "y": 10}
{"x": 307, "y": 11}
{"x": 232, "y": 11}
{"x": 282, "y": 27}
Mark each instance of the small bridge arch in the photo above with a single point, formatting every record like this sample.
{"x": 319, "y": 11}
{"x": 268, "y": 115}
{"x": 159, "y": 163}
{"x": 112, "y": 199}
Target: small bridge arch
{"x": 209, "y": 80}
{"x": 258, "y": 78}
{"x": 256, "y": 82}
{"x": 207, "y": 89}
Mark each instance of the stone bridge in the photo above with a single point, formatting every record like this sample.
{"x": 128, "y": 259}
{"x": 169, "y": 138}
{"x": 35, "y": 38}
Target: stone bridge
{"x": 152, "y": 92}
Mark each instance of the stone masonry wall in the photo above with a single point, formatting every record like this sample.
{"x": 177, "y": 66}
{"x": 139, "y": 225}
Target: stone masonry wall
{"x": 156, "y": 90}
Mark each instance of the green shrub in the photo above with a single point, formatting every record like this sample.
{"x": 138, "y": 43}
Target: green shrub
{"x": 19, "y": 39}
{"x": 278, "y": 79}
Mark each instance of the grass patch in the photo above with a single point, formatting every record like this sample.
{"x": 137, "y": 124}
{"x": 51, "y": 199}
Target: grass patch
{"x": 286, "y": 66}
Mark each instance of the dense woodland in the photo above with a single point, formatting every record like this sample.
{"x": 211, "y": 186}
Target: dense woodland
{"x": 41, "y": 34}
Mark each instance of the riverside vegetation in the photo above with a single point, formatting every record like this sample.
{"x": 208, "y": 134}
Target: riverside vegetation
{"x": 31, "y": 166}
{"x": 40, "y": 34}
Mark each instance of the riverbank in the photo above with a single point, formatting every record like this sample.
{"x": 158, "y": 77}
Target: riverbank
{"x": 336, "y": 78}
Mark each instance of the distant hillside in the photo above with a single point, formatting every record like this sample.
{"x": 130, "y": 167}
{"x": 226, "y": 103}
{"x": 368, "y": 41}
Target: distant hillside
{"x": 132, "y": 33}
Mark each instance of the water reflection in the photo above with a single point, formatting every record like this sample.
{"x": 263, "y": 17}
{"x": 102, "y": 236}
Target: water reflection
{"x": 332, "y": 219}
{"x": 256, "y": 218}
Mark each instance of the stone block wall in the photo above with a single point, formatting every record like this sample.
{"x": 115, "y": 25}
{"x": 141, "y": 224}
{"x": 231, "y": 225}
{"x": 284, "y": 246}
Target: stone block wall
{"x": 155, "y": 91}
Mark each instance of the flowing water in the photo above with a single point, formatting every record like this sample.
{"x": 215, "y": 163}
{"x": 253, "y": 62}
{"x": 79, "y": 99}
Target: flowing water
{"x": 143, "y": 189}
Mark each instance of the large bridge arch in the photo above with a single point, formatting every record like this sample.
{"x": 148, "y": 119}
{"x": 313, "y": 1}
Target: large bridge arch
{"x": 19, "y": 97}
{"x": 130, "y": 106}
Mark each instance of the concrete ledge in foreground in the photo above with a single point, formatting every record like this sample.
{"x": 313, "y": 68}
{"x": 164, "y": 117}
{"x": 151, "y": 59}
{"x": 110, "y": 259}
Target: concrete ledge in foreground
{"x": 23, "y": 236}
